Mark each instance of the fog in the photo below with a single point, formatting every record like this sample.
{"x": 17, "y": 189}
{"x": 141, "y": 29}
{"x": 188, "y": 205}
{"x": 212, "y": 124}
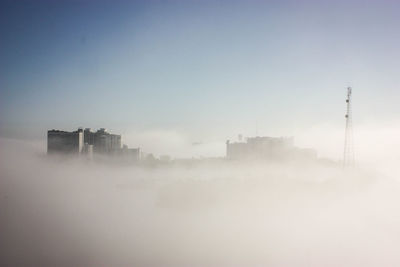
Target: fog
{"x": 71, "y": 212}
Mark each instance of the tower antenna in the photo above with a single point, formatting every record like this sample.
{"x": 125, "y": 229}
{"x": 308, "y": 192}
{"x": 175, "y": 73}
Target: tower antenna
{"x": 348, "y": 154}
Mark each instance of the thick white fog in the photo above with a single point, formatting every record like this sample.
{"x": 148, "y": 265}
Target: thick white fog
{"x": 57, "y": 212}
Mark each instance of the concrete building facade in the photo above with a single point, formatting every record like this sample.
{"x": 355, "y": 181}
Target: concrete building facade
{"x": 65, "y": 142}
{"x": 89, "y": 143}
{"x": 102, "y": 141}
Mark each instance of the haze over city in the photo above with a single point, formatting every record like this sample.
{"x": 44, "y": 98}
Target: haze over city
{"x": 217, "y": 133}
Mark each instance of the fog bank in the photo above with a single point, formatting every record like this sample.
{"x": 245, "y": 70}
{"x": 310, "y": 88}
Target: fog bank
{"x": 74, "y": 213}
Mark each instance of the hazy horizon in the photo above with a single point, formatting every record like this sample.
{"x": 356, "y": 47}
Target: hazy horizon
{"x": 188, "y": 72}
{"x": 180, "y": 78}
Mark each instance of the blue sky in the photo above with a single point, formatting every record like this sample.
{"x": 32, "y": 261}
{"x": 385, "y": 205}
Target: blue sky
{"x": 208, "y": 69}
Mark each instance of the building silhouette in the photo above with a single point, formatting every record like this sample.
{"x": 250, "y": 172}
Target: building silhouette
{"x": 131, "y": 153}
{"x": 272, "y": 148}
{"x": 89, "y": 143}
{"x": 65, "y": 142}
{"x": 102, "y": 141}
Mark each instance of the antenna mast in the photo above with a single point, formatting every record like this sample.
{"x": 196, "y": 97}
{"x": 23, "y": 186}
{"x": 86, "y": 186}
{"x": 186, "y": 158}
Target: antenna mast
{"x": 348, "y": 154}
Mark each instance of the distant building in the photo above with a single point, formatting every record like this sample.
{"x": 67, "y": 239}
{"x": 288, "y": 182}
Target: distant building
{"x": 102, "y": 141}
{"x": 65, "y": 142}
{"x": 88, "y": 150}
{"x": 88, "y": 136}
{"x": 89, "y": 143}
{"x": 132, "y": 154}
{"x": 273, "y": 148}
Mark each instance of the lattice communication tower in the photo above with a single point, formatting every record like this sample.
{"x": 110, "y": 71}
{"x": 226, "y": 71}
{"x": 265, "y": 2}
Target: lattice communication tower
{"x": 348, "y": 154}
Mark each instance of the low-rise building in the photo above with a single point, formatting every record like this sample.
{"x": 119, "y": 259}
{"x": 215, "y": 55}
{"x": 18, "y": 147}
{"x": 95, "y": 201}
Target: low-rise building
{"x": 133, "y": 154}
{"x": 273, "y": 148}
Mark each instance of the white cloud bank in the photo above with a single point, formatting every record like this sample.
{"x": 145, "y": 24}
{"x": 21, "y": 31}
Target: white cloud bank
{"x": 70, "y": 213}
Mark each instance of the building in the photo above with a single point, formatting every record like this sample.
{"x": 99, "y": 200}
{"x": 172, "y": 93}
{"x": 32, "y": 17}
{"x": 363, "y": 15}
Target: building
{"x": 65, "y": 142}
{"x": 133, "y": 154}
{"x": 88, "y": 143}
{"x": 102, "y": 141}
{"x": 88, "y": 151}
{"x": 272, "y": 148}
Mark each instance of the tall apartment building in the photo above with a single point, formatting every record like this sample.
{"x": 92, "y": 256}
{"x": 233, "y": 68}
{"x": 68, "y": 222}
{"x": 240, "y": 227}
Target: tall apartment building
{"x": 102, "y": 141}
{"x": 83, "y": 141}
{"x": 65, "y": 142}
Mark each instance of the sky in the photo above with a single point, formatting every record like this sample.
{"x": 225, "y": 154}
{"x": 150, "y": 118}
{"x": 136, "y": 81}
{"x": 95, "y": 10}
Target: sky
{"x": 204, "y": 70}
